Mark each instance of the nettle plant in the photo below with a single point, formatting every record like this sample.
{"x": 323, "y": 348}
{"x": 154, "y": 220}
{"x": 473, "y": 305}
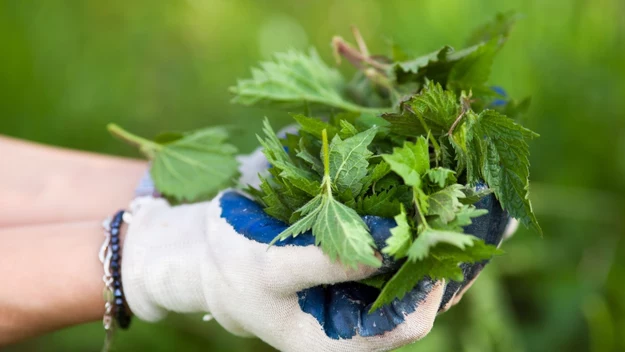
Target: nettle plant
{"x": 406, "y": 137}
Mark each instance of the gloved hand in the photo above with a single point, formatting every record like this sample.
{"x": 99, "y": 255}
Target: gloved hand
{"x": 213, "y": 257}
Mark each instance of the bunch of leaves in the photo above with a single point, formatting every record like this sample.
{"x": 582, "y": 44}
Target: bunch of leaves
{"x": 415, "y": 137}
{"x": 407, "y": 138}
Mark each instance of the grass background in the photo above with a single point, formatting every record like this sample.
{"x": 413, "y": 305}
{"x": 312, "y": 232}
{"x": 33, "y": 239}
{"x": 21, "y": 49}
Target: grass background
{"x": 69, "y": 67}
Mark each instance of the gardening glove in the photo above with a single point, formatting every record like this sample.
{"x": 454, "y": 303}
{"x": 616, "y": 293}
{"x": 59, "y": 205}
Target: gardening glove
{"x": 213, "y": 257}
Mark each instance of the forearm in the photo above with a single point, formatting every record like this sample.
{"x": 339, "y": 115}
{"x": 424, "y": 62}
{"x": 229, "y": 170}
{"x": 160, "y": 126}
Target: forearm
{"x": 41, "y": 184}
{"x": 52, "y": 278}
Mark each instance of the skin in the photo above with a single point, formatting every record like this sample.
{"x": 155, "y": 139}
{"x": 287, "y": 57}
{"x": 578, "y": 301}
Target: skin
{"x": 50, "y": 234}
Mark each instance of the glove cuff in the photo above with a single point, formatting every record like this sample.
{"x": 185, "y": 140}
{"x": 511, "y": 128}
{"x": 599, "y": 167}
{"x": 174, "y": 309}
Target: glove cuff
{"x": 163, "y": 259}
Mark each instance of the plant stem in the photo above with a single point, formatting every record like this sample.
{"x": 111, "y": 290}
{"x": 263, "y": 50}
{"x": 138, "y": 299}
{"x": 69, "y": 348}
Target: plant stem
{"x": 145, "y": 145}
{"x": 326, "y": 163}
{"x": 416, "y": 203}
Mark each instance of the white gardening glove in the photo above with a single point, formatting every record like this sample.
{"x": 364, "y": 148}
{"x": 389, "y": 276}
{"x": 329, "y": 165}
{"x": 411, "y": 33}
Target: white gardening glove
{"x": 213, "y": 257}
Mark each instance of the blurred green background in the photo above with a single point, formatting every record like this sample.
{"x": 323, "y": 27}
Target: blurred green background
{"x": 69, "y": 67}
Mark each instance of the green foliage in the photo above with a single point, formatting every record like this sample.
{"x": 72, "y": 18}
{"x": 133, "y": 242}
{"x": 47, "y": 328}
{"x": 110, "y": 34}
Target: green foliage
{"x": 337, "y": 228}
{"x": 188, "y": 167}
{"x": 408, "y": 139}
{"x": 294, "y": 79}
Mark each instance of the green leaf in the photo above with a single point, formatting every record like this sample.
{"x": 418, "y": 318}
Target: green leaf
{"x": 473, "y": 71}
{"x": 273, "y": 204}
{"x": 305, "y": 155}
{"x": 410, "y": 161}
{"x": 409, "y": 276}
{"x": 445, "y": 202}
{"x": 384, "y": 204}
{"x": 374, "y": 174}
{"x": 506, "y": 163}
{"x": 402, "y": 68}
{"x": 279, "y": 158}
{"x": 295, "y": 80}
{"x": 311, "y": 210}
{"x": 463, "y": 218}
{"x": 441, "y": 264}
{"x": 190, "y": 168}
{"x": 430, "y": 237}
{"x": 500, "y": 27}
{"x": 338, "y": 229}
{"x": 347, "y": 130}
{"x": 314, "y": 126}
{"x": 433, "y": 109}
{"x": 401, "y": 237}
{"x": 438, "y": 107}
{"x": 348, "y": 160}
{"x": 471, "y": 195}
{"x": 441, "y": 176}
{"x": 342, "y": 234}
{"x": 376, "y": 281}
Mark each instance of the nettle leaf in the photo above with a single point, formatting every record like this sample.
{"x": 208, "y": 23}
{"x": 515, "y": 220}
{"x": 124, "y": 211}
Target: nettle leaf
{"x": 403, "y": 69}
{"x": 446, "y": 202}
{"x": 463, "y": 218}
{"x": 338, "y": 229}
{"x": 314, "y": 126}
{"x": 430, "y": 237}
{"x": 342, "y": 234}
{"x": 307, "y": 156}
{"x": 437, "y": 106}
{"x": 347, "y": 129}
{"x": 348, "y": 160}
{"x": 433, "y": 109}
{"x": 384, "y": 204}
{"x": 506, "y": 163}
{"x": 374, "y": 174}
{"x": 303, "y": 179}
{"x": 441, "y": 176}
{"x": 441, "y": 264}
{"x": 401, "y": 236}
{"x": 295, "y": 80}
{"x": 472, "y": 72}
{"x": 188, "y": 167}
{"x": 410, "y": 161}
{"x": 411, "y": 273}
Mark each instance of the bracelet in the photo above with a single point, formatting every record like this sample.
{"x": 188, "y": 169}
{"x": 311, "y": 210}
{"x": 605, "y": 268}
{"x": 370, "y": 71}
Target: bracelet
{"x": 115, "y": 309}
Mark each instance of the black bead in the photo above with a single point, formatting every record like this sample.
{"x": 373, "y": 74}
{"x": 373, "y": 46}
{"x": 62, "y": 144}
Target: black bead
{"x": 119, "y": 302}
{"x": 116, "y": 275}
{"x": 115, "y": 231}
{"x": 118, "y": 217}
{"x": 115, "y": 248}
{"x": 115, "y": 240}
{"x": 114, "y": 265}
{"x": 115, "y": 257}
{"x": 123, "y": 319}
{"x": 117, "y": 284}
{"x": 118, "y": 293}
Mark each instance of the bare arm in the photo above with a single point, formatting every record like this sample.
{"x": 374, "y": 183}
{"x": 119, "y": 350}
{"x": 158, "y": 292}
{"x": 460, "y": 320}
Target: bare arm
{"x": 52, "y": 278}
{"x": 52, "y": 203}
{"x": 43, "y": 185}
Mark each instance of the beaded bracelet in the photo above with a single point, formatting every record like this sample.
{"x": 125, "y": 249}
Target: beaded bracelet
{"x": 115, "y": 309}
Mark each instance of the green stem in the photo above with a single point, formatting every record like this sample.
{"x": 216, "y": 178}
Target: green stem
{"x": 326, "y": 163}
{"x": 419, "y": 212}
{"x": 145, "y": 145}
{"x": 437, "y": 147}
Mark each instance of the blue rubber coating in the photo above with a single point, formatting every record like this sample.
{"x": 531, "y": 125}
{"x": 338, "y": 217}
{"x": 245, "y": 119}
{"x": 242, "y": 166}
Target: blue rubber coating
{"x": 250, "y": 220}
{"x": 342, "y": 309}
